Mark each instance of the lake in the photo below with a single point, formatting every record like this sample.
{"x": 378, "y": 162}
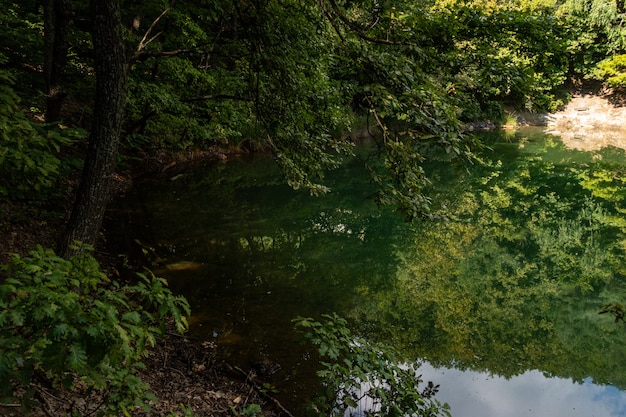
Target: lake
{"x": 499, "y": 301}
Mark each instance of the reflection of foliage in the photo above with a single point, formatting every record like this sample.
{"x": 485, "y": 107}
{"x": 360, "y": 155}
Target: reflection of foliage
{"x": 512, "y": 280}
{"x": 272, "y": 238}
{"x": 363, "y": 378}
{"x": 616, "y": 310}
{"x": 570, "y": 248}
{"x": 607, "y": 182}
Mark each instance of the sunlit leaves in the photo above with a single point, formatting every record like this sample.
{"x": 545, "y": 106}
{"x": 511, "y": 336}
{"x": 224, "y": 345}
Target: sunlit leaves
{"x": 613, "y": 69}
{"x": 599, "y": 31}
{"x": 501, "y": 55}
{"x": 604, "y": 18}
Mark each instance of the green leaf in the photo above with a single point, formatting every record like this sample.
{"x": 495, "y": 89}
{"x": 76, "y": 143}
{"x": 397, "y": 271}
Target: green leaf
{"x": 77, "y": 358}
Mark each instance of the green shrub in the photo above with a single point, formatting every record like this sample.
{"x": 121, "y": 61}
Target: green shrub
{"x": 365, "y": 378}
{"x": 28, "y": 154}
{"x": 64, "y": 322}
{"x": 612, "y": 70}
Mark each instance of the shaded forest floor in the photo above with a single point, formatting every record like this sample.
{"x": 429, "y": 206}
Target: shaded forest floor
{"x": 185, "y": 378}
{"x": 183, "y": 374}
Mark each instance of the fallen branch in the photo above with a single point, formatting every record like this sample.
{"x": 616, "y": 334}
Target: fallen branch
{"x": 262, "y": 392}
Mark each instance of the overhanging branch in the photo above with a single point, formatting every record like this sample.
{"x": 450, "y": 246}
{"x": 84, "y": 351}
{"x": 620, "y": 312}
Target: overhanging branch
{"x": 355, "y": 27}
{"x": 216, "y": 97}
{"x": 159, "y": 54}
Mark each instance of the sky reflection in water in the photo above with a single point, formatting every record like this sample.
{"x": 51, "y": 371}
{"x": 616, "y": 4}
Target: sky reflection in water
{"x": 531, "y": 394}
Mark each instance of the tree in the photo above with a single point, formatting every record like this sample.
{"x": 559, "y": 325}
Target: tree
{"x": 110, "y": 99}
{"x": 599, "y": 29}
{"x": 57, "y": 18}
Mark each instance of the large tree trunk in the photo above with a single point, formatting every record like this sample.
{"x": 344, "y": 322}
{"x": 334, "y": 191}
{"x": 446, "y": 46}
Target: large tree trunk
{"x": 100, "y": 162}
{"x": 57, "y": 17}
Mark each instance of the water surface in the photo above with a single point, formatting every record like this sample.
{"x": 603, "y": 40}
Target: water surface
{"x": 500, "y": 301}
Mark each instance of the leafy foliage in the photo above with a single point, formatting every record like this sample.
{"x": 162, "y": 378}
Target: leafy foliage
{"x": 361, "y": 377}
{"x": 63, "y": 321}
{"x": 28, "y": 153}
{"x": 613, "y": 70}
{"x": 503, "y": 56}
{"x": 602, "y": 18}
{"x": 294, "y": 77}
{"x": 285, "y": 77}
{"x": 23, "y": 41}
{"x": 599, "y": 32}
{"x": 253, "y": 74}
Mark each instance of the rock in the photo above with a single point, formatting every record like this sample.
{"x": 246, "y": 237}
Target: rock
{"x": 590, "y": 123}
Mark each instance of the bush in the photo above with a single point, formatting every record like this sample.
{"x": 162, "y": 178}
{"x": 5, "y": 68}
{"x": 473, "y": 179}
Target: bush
{"x": 28, "y": 153}
{"x": 364, "y": 378}
{"x": 612, "y": 70}
{"x": 64, "y": 324}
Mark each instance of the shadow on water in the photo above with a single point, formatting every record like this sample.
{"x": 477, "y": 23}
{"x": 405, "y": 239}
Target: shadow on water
{"x": 500, "y": 301}
{"x": 250, "y": 254}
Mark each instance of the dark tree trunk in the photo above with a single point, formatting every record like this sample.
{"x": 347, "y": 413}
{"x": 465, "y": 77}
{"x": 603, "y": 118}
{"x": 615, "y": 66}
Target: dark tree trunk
{"x": 110, "y": 100}
{"x": 57, "y": 17}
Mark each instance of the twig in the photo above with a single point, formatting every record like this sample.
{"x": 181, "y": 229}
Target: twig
{"x": 245, "y": 402}
{"x": 176, "y": 370}
{"x": 175, "y": 334}
{"x": 49, "y": 394}
{"x": 99, "y": 406}
{"x": 45, "y": 405}
{"x": 379, "y": 122}
{"x": 143, "y": 55}
{"x": 167, "y": 356}
{"x": 331, "y": 20}
{"x": 260, "y": 391}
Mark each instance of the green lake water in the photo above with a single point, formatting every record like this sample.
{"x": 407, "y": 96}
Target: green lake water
{"x": 499, "y": 302}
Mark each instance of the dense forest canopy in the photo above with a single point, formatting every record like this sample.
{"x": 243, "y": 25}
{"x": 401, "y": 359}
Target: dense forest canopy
{"x": 294, "y": 77}
{"x": 91, "y": 86}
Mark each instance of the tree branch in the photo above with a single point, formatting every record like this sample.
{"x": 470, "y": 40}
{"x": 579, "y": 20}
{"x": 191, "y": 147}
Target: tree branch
{"x": 145, "y": 41}
{"x": 216, "y": 97}
{"x": 142, "y": 56}
{"x": 356, "y": 28}
{"x": 331, "y": 20}
{"x": 251, "y": 382}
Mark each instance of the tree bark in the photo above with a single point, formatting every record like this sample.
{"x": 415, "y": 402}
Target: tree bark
{"x": 100, "y": 163}
{"x": 57, "y": 17}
